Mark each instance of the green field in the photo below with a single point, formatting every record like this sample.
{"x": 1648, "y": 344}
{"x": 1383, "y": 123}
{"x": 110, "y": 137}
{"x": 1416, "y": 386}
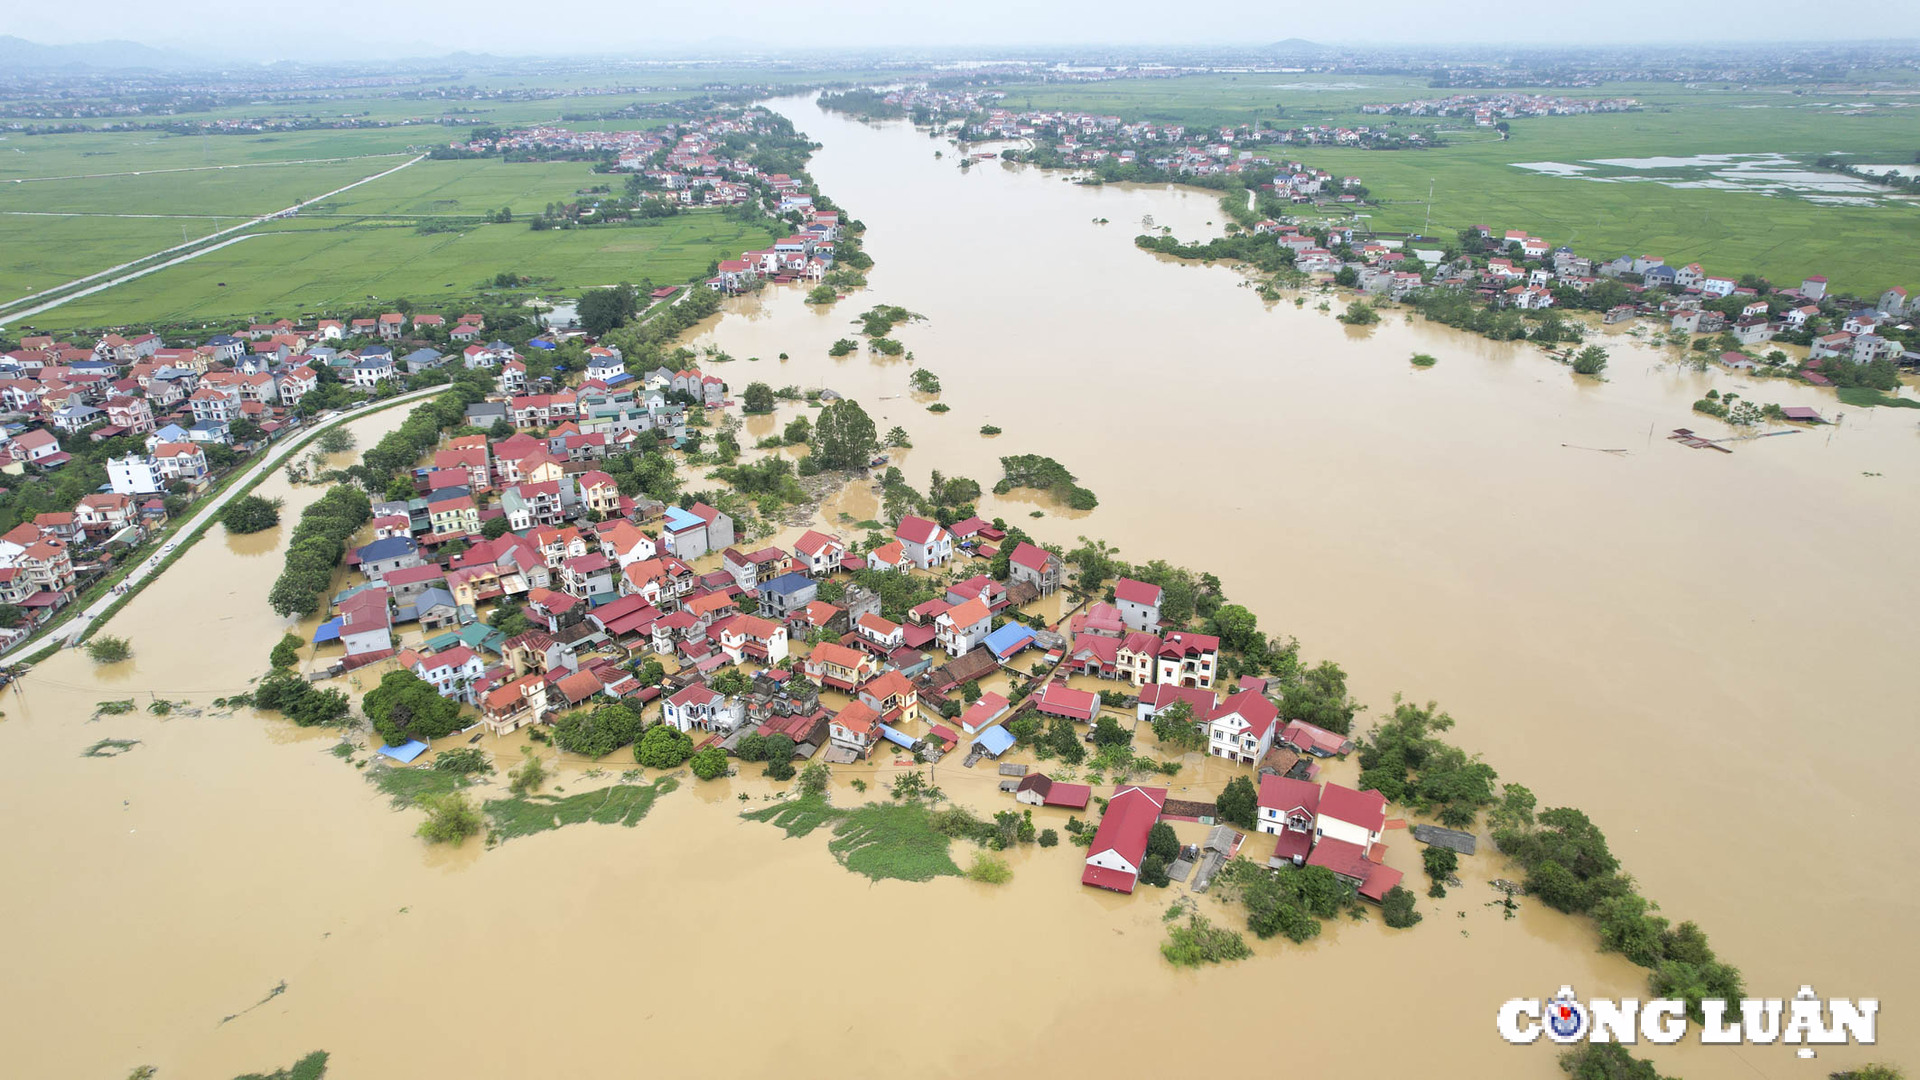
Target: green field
{"x": 1475, "y": 178}
{"x": 474, "y": 186}
{"x": 303, "y": 267}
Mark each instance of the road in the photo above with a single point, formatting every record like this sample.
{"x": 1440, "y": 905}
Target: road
{"x": 9, "y": 315}
{"x": 76, "y": 625}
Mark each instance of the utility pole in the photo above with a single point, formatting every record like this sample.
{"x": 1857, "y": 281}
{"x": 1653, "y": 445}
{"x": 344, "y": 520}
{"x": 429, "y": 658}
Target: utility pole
{"x": 1429, "y": 222}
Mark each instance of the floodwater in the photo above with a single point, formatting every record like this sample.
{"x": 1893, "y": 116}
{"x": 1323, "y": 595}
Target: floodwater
{"x": 1699, "y": 649}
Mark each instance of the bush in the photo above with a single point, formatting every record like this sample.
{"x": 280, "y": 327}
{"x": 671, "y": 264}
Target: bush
{"x": 1397, "y": 905}
{"x": 597, "y": 733}
{"x": 107, "y": 649}
{"x": 451, "y": 818}
{"x": 250, "y": 514}
{"x": 1359, "y": 313}
{"x": 815, "y": 778}
{"x": 710, "y": 764}
{"x": 463, "y": 760}
{"x": 287, "y": 653}
{"x": 663, "y": 747}
{"x": 1423, "y": 360}
{"x": 530, "y": 776}
{"x": 1049, "y": 838}
{"x": 1200, "y": 942}
{"x": 989, "y": 869}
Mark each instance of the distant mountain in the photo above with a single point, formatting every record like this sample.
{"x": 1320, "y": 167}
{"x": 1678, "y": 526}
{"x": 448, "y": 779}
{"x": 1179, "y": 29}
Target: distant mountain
{"x": 19, "y": 52}
{"x": 1295, "y": 47}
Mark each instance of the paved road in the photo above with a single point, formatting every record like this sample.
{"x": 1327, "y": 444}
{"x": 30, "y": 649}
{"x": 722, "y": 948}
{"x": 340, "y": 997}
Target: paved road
{"x": 76, "y": 625}
{"x": 15, "y": 316}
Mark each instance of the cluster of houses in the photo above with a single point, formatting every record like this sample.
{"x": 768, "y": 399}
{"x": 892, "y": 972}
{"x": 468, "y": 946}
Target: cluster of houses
{"x": 178, "y": 401}
{"x": 1529, "y": 272}
{"x": 806, "y": 255}
{"x": 1491, "y": 108}
{"x": 610, "y": 582}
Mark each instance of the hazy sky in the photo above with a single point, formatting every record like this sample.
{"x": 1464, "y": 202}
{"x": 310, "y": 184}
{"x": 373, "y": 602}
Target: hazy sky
{"x": 273, "y": 30}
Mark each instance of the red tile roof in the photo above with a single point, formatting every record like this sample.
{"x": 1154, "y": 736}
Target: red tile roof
{"x": 1367, "y": 809}
{"x": 917, "y": 530}
{"x": 1136, "y": 592}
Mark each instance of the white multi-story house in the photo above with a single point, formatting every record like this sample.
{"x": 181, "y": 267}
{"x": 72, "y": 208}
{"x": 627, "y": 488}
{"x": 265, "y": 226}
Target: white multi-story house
{"x": 453, "y": 673}
{"x": 1139, "y": 604}
{"x": 698, "y": 707}
{"x": 1242, "y": 727}
{"x": 134, "y": 475}
{"x": 925, "y": 544}
{"x": 960, "y": 629}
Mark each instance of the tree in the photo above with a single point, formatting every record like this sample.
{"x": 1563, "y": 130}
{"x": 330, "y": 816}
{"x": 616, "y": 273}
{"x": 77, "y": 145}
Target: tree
{"x": 601, "y": 310}
{"x": 798, "y": 431}
{"x": 842, "y": 347}
{"x": 1359, "y": 313}
{"x": 1065, "y": 741}
{"x": 1591, "y": 360}
{"x": 663, "y": 747}
{"x": 286, "y": 654}
{"x": 757, "y": 398}
{"x": 495, "y": 528}
{"x": 1161, "y": 841}
{"x": 106, "y": 649}
{"x": 1153, "y": 871}
{"x": 404, "y": 707}
{"x": 710, "y": 764}
{"x": 730, "y": 681}
{"x": 250, "y": 514}
{"x": 599, "y": 732}
{"x": 1440, "y": 863}
{"x": 1108, "y": 732}
{"x": 1239, "y": 803}
{"x": 244, "y": 432}
{"x": 12, "y": 615}
{"x": 1238, "y": 629}
{"x": 844, "y": 436}
{"x": 451, "y": 818}
{"x": 334, "y": 440}
{"x": 1173, "y": 726}
{"x": 1049, "y": 838}
{"x": 815, "y": 778}
{"x": 1397, "y": 906}
{"x": 530, "y": 776}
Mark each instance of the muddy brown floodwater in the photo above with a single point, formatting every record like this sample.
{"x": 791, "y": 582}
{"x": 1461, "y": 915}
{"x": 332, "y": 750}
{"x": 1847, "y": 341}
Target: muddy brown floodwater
{"x": 1701, "y": 650}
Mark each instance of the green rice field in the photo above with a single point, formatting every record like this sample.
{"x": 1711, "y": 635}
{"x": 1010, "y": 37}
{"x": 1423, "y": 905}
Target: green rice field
{"x": 309, "y": 266}
{"x": 1717, "y": 213}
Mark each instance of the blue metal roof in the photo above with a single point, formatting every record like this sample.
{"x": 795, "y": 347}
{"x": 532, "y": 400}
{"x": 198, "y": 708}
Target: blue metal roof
{"x": 893, "y": 736}
{"x": 1009, "y": 639}
{"x": 678, "y": 519}
{"x": 995, "y": 740}
{"x": 327, "y": 631}
{"x": 405, "y": 752}
{"x": 388, "y": 548}
{"x": 786, "y": 584}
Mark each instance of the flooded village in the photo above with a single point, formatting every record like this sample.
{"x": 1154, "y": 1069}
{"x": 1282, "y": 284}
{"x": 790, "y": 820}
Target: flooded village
{"x": 567, "y": 552}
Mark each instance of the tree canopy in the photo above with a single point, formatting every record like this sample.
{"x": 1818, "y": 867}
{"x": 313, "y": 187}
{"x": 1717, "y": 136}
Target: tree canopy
{"x": 404, "y": 706}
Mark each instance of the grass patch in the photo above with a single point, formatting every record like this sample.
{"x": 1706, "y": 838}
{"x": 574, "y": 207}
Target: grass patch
{"x": 1423, "y": 360}
{"x": 877, "y": 841}
{"x": 407, "y": 787}
{"x": 622, "y": 804}
{"x": 110, "y": 748}
{"x": 1866, "y": 397}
